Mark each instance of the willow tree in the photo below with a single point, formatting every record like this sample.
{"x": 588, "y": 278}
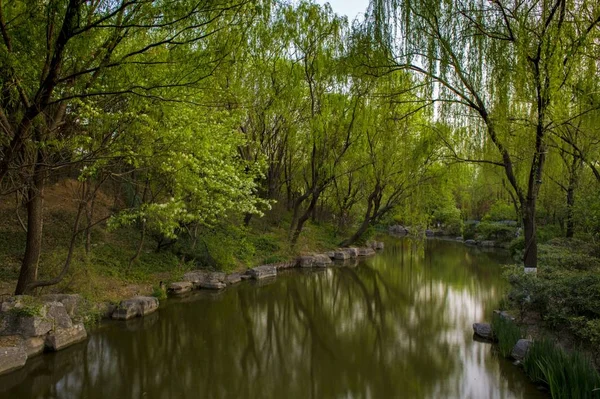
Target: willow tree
{"x": 496, "y": 67}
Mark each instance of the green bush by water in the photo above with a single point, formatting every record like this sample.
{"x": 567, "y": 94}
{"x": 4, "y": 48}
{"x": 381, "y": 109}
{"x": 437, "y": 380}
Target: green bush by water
{"x": 567, "y": 375}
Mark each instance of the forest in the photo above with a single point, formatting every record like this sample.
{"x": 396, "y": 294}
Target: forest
{"x": 141, "y": 139}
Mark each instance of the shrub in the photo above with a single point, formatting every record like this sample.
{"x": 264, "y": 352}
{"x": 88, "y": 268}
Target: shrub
{"x": 497, "y": 231}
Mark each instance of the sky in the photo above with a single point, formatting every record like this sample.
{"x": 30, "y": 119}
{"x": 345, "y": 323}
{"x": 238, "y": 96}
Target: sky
{"x": 350, "y": 8}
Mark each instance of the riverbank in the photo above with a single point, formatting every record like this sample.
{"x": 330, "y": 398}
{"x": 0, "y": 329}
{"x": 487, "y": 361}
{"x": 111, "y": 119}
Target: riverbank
{"x": 30, "y": 326}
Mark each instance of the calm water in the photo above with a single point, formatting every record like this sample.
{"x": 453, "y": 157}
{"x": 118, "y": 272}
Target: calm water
{"x": 395, "y": 326}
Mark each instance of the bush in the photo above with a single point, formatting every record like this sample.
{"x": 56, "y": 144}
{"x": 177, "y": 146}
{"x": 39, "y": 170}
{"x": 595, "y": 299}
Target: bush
{"x": 497, "y": 231}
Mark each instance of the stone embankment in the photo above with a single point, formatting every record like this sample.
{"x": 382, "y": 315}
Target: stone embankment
{"x": 30, "y": 326}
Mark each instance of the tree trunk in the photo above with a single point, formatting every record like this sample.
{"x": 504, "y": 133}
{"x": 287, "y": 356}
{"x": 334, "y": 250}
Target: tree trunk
{"x": 35, "y": 224}
{"x": 305, "y": 216}
{"x": 570, "y": 205}
{"x": 529, "y": 226}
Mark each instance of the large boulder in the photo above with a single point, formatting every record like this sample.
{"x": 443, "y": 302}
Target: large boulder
{"x": 71, "y": 302}
{"x": 135, "y": 307}
{"x": 483, "y": 330}
{"x": 331, "y": 254}
{"x": 180, "y": 287}
{"x": 63, "y": 337}
{"x": 12, "y": 358}
{"x": 59, "y": 316}
{"x": 261, "y": 272}
{"x": 366, "y": 251}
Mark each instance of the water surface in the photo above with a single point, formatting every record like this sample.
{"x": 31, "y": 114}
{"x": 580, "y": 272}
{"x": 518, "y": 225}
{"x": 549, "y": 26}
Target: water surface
{"x": 397, "y": 325}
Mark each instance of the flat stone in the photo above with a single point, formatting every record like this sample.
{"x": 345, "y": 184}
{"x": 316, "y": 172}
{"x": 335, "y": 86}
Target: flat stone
{"x": 33, "y": 346}
{"x": 245, "y": 276}
{"x": 135, "y": 307}
{"x": 306, "y": 261}
{"x": 487, "y": 243}
{"x": 210, "y": 285}
{"x": 340, "y": 254}
{"x": 285, "y": 265}
{"x": 12, "y": 358}
{"x": 520, "y": 349}
{"x": 322, "y": 260}
{"x": 470, "y": 242}
{"x": 261, "y": 272}
{"x": 180, "y": 287}
{"x": 483, "y": 330}
{"x": 233, "y": 278}
{"x": 331, "y": 254}
{"x": 197, "y": 276}
{"x": 366, "y": 252}
{"x": 65, "y": 337}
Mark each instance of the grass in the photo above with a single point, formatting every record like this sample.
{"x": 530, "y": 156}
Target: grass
{"x": 567, "y": 375}
{"x": 507, "y": 333}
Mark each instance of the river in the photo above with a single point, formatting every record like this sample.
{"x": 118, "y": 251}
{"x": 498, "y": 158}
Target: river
{"x": 397, "y": 325}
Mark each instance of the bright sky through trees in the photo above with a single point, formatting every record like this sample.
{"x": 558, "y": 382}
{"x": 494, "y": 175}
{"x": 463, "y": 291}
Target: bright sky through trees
{"x": 349, "y": 8}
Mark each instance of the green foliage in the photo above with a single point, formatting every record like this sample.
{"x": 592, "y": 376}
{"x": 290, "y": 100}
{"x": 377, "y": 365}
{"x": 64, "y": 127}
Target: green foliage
{"x": 507, "y": 333}
{"x": 496, "y": 231}
{"x": 500, "y": 211}
{"x": 159, "y": 292}
{"x": 568, "y": 375}
{"x": 28, "y": 306}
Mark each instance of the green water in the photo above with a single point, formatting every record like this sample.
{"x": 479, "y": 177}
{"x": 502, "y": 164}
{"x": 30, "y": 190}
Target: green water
{"x": 395, "y": 326}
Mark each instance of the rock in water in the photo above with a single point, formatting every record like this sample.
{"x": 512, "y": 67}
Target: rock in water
{"x": 206, "y": 280}
{"x": 322, "y": 260}
{"x": 340, "y": 254}
{"x": 306, "y": 261}
{"x": 180, "y": 288}
{"x": 135, "y": 307}
{"x": 233, "y": 278}
{"x": 61, "y": 338}
{"x": 520, "y": 349}
{"x": 366, "y": 252}
{"x": 483, "y": 330}
{"x": 261, "y": 272}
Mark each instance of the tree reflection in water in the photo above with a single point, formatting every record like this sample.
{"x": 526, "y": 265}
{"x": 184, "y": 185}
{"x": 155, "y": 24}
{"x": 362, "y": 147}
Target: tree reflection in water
{"x": 398, "y": 325}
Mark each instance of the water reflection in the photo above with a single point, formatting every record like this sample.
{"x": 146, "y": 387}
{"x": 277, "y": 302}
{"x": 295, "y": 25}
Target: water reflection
{"x": 398, "y": 325}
